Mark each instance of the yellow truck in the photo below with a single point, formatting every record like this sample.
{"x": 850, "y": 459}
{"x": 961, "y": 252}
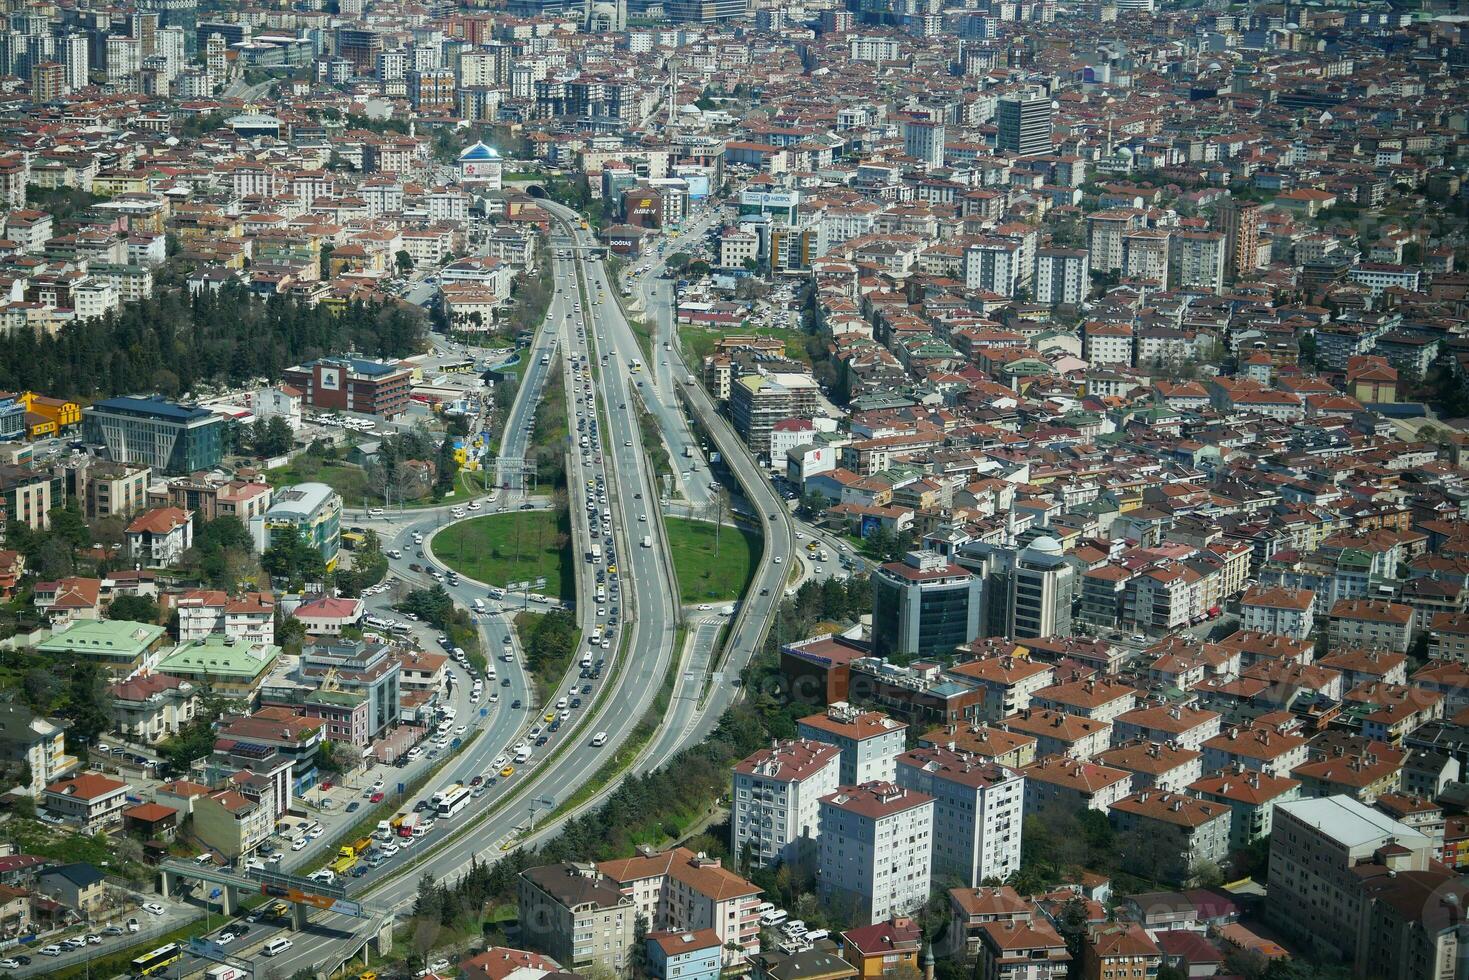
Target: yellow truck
{"x": 345, "y": 860}
{"x": 360, "y": 845}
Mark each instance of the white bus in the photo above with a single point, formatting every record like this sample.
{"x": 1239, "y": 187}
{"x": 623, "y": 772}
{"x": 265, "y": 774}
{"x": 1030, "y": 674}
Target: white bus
{"x": 451, "y": 799}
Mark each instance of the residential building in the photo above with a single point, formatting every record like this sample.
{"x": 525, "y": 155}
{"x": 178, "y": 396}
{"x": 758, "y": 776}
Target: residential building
{"x": 1370, "y": 624}
{"x": 679, "y": 954}
{"x": 227, "y": 667}
{"x": 314, "y": 510}
{"x": 150, "y": 707}
{"x": 977, "y": 811}
{"x": 1009, "y": 683}
{"x": 1072, "y": 785}
{"x": 870, "y": 741}
{"x": 1252, "y": 798}
{"x": 576, "y": 915}
{"x": 1119, "y": 951}
{"x": 1185, "y": 725}
{"x": 1174, "y": 835}
{"x": 169, "y": 438}
{"x": 923, "y": 140}
{"x": 1317, "y": 850}
{"x": 360, "y": 667}
{"x": 971, "y": 908}
{"x": 91, "y": 802}
{"x": 758, "y": 401}
{"x": 1412, "y": 925}
{"x": 1015, "y": 950}
{"x": 158, "y": 538}
{"x": 38, "y": 744}
{"x": 1274, "y": 609}
{"x": 776, "y": 796}
{"x": 923, "y": 605}
{"x": 875, "y": 850}
{"x": 1196, "y": 259}
{"x": 232, "y": 824}
{"x": 883, "y": 948}
{"x": 249, "y": 617}
{"x": 679, "y": 890}
{"x": 1062, "y": 276}
{"x": 1240, "y": 223}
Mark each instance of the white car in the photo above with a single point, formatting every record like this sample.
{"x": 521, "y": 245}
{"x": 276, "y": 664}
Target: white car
{"x": 298, "y": 844}
{"x": 52, "y": 950}
{"x": 153, "y": 908}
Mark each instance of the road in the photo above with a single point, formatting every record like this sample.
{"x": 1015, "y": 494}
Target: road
{"x": 620, "y": 462}
{"x": 689, "y": 721}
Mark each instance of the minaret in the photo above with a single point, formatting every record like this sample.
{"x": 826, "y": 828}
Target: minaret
{"x": 927, "y": 960}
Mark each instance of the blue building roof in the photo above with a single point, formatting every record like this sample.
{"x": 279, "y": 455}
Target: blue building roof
{"x": 154, "y": 406}
{"x": 479, "y": 151}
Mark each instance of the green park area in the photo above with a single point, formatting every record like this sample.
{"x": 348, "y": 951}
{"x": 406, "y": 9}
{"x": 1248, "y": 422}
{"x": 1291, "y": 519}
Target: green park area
{"x": 501, "y": 548}
{"x": 698, "y": 343}
{"x": 710, "y": 571}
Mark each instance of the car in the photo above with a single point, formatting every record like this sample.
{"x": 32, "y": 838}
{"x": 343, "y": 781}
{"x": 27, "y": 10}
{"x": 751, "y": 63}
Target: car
{"x": 353, "y": 806}
{"x": 778, "y": 559}
{"x": 420, "y": 806}
{"x": 113, "y": 930}
{"x": 507, "y": 772}
{"x": 153, "y": 908}
{"x": 10, "y": 964}
{"x": 298, "y": 844}
{"x": 376, "y": 797}
{"x": 224, "y": 938}
{"x": 51, "y": 950}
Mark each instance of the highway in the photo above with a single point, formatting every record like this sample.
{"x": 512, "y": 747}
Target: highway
{"x": 688, "y": 721}
{"x": 615, "y": 455}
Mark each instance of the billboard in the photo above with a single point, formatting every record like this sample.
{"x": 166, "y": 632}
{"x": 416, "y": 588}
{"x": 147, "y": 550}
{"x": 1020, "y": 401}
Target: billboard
{"x": 870, "y": 524}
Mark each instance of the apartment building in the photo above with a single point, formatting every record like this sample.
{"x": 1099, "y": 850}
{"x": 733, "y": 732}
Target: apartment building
{"x": 1371, "y": 624}
{"x": 985, "y": 742}
{"x": 977, "y": 811}
{"x": 870, "y": 741}
{"x": 1316, "y": 850}
{"x": 776, "y": 796}
{"x": 1273, "y": 609}
{"x": 1008, "y": 683}
{"x": 1251, "y": 797}
{"x": 1177, "y": 834}
{"x": 678, "y": 889}
{"x": 1155, "y": 765}
{"x": 90, "y": 802}
{"x": 576, "y": 915}
{"x": 1059, "y": 733}
{"x": 1187, "y": 726}
{"x": 1119, "y": 951}
{"x": 1073, "y": 784}
{"x": 1014, "y": 950}
{"x": 1099, "y": 699}
{"x": 875, "y": 850}
{"x": 1259, "y": 748}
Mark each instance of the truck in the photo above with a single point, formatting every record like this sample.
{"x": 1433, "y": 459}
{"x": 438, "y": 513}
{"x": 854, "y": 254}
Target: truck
{"x": 345, "y": 860}
{"x": 647, "y": 541}
{"x": 361, "y": 845}
{"x": 522, "y": 755}
{"x": 688, "y": 452}
{"x": 410, "y": 822}
{"x": 223, "y": 972}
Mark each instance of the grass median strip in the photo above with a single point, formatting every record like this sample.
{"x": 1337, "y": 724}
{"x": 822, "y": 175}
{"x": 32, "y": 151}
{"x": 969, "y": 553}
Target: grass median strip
{"x": 713, "y": 565}
{"x": 516, "y": 547}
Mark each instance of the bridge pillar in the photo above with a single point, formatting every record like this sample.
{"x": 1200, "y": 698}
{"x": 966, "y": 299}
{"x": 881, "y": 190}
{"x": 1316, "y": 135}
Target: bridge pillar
{"x": 382, "y": 944}
{"x": 167, "y": 883}
{"x": 298, "y": 916}
{"x": 229, "y": 902}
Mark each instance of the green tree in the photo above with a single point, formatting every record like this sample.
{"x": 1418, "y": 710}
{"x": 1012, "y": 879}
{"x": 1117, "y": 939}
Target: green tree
{"x": 135, "y": 609}
{"x": 404, "y": 261}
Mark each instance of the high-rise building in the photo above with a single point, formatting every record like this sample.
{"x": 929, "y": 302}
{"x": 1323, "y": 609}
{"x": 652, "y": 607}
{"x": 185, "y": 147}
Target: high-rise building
{"x": 1025, "y": 123}
{"x": 170, "y": 438}
{"x": 1317, "y": 850}
{"x": 1196, "y": 259}
{"x": 923, "y": 139}
{"x": 1041, "y": 590}
{"x": 869, "y": 741}
{"x": 1062, "y": 276}
{"x": 124, "y": 57}
{"x": 1240, "y": 223}
{"x": 876, "y": 851}
{"x": 706, "y": 11}
{"x": 776, "y": 800}
{"x": 977, "y": 811}
{"x": 923, "y": 606}
{"x": 48, "y": 82}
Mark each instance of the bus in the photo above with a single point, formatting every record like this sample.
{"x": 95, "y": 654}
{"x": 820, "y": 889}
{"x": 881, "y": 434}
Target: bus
{"x": 451, "y": 799}
{"x": 158, "y": 960}
{"x": 594, "y": 554}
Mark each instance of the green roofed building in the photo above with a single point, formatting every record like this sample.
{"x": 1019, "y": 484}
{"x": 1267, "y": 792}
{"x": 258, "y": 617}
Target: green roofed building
{"x": 230, "y": 667}
{"x": 117, "y": 644}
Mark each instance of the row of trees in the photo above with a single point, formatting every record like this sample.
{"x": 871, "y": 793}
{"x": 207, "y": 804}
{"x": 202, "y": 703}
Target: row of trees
{"x": 174, "y": 341}
{"x": 434, "y": 605}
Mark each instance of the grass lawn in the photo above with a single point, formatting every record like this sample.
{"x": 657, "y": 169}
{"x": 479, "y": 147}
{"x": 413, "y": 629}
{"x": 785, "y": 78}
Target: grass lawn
{"x": 698, "y": 343}
{"x": 514, "y": 547}
{"x": 703, "y": 576}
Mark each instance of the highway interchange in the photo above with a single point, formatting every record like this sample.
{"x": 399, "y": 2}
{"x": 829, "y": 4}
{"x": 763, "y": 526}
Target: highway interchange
{"x": 595, "y": 348}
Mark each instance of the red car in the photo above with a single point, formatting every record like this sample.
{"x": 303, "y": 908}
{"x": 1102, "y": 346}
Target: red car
{"x": 376, "y": 798}
{"x": 476, "y": 780}
{"x": 326, "y": 784}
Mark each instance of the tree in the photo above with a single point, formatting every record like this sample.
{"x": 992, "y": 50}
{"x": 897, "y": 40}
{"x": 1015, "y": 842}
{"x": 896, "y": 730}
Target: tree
{"x": 135, "y": 608}
{"x": 69, "y": 526}
{"x": 404, "y": 261}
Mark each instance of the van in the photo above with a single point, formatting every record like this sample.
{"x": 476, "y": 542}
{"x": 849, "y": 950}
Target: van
{"x": 764, "y": 907}
{"x": 773, "y": 918}
{"x": 599, "y": 740}
{"x": 479, "y": 605}
{"x": 497, "y": 593}
{"x": 522, "y": 755}
{"x": 647, "y": 541}
{"x": 277, "y": 946}
{"x": 586, "y": 659}
{"x": 816, "y": 935}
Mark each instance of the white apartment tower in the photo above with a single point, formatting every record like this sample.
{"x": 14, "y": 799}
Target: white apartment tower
{"x": 978, "y": 806}
{"x": 923, "y": 139}
{"x": 876, "y": 849}
{"x": 777, "y": 799}
{"x": 870, "y": 741}
{"x": 1062, "y": 276}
